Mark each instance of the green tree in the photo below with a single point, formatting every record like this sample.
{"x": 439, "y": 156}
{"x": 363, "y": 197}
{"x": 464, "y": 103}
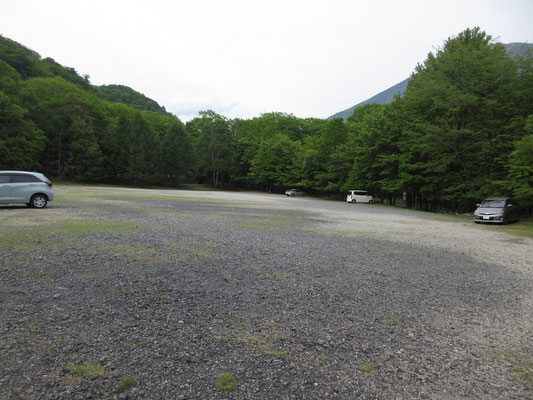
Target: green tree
{"x": 213, "y": 144}
{"x": 274, "y": 165}
{"x": 176, "y": 154}
{"x": 21, "y": 142}
{"x": 521, "y": 170}
{"x": 143, "y": 147}
{"x": 457, "y": 112}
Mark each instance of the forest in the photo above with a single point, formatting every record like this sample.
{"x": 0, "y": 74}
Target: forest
{"x": 462, "y": 131}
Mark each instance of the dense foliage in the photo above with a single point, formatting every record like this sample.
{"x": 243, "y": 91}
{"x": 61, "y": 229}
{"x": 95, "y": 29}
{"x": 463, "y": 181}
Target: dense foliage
{"x": 463, "y": 130}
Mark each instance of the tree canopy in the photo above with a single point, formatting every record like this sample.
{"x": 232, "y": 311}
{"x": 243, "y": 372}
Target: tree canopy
{"x": 463, "y": 130}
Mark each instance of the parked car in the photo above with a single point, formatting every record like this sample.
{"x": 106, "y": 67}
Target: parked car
{"x": 294, "y": 192}
{"x": 31, "y": 188}
{"x": 497, "y": 210}
{"x": 359, "y": 196}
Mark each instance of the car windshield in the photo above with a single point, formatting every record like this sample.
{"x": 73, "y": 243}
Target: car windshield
{"x": 493, "y": 204}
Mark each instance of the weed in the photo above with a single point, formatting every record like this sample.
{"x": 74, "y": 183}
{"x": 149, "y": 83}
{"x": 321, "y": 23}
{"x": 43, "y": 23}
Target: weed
{"x": 86, "y": 369}
{"x": 268, "y": 349}
{"x": 206, "y": 254}
{"x": 126, "y": 383}
{"x": 392, "y": 319}
{"x": 226, "y": 382}
{"x": 263, "y": 342}
{"x": 522, "y": 365}
{"x": 59, "y": 341}
{"x": 524, "y": 373}
{"x": 226, "y": 276}
{"x": 126, "y": 292}
{"x": 366, "y": 368}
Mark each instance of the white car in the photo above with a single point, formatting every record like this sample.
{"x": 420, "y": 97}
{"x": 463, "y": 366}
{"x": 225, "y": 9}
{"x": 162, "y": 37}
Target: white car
{"x": 359, "y": 196}
{"x": 294, "y": 192}
{"x": 31, "y": 188}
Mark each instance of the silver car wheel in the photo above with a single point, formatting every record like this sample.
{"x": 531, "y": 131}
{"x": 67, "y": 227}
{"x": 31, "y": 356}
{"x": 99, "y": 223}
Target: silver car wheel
{"x": 38, "y": 201}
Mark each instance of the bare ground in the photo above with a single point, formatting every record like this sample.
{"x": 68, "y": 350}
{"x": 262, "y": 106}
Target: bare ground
{"x": 296, "y": 298}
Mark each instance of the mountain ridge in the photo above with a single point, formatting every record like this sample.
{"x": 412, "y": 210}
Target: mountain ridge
{"x": 515, "y": 49}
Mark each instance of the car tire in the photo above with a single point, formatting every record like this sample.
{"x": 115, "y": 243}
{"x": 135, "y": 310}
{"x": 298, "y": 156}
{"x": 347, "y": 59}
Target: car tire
{"x": 38, "y": 201}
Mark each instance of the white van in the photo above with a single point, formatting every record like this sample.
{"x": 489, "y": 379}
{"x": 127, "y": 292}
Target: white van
{"x": 359, "y": 196}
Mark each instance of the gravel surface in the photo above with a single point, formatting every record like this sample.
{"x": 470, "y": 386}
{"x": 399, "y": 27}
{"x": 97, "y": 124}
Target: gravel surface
{"x": 142, "y": 294}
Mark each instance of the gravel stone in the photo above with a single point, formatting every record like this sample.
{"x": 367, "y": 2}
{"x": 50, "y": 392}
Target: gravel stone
{"x": 295, "y": 297}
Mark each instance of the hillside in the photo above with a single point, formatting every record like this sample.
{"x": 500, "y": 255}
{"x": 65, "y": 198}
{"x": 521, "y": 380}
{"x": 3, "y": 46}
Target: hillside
{"x": 29, "y": 64}
{"x": 126, "y": 95}
{"x": 387, "y": 96}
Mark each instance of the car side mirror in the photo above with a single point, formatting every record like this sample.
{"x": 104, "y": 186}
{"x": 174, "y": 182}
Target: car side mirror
{"x": 477, "y": 205}
{"x": 509, "y": 205}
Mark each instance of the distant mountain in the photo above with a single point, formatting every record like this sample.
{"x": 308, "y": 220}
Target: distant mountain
{"x": 387, "y": 96}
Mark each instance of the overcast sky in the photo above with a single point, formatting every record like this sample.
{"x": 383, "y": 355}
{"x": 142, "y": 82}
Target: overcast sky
{"x": 242, "y": 58}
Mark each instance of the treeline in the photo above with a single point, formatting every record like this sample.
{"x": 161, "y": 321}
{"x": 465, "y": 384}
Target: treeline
{"x": 462, "y": 131}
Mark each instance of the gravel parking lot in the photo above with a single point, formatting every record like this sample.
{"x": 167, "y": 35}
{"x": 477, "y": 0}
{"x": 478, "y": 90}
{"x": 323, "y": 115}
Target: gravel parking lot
{"x": 152, "y": 294}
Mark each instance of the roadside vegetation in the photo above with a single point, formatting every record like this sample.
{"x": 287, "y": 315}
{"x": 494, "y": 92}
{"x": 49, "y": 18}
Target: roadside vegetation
{"x": 462, "y": 131}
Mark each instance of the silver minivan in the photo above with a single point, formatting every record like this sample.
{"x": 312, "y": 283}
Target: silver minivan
{"x": 31, "y": 188}
{"x": 497, "y": 210}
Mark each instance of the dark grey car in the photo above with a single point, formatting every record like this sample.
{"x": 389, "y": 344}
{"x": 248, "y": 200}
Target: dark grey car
{"x": 497, "y": 210}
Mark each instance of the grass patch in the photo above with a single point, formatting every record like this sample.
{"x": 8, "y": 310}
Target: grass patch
{"x": 279, "y": 276}
{"x": 19, "y": 243}
{"x": 83, "y": 226}
{"x": 366, "y": 368}
{"x": 86, "y": 369}
{"x": 522, "y": 365}
{"x": 524, "y": 374}
{"x": 205, "y": 254}
{"x": 226, "y": 382}
{"x": 394, "y": 320}
{"x": 263, "y": 341}
{"x": 126, "y": 383}
{"x": 520, "y": 228}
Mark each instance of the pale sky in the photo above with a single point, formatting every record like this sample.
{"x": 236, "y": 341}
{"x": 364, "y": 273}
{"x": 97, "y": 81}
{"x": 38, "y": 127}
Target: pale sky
{"x": 243, "y": 58}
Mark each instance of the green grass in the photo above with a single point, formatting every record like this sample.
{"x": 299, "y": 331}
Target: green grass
{"x": 522, "y": 365}
{"x": 226, "y": 382}
{"x": 524, "y": 227}
{"x": 524, "y": 374}
{"x": 366, "y": 368}
{"x": 126, "y": 383}
{"x": 86, "y": 369}
{"x": 520, "y": 228}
